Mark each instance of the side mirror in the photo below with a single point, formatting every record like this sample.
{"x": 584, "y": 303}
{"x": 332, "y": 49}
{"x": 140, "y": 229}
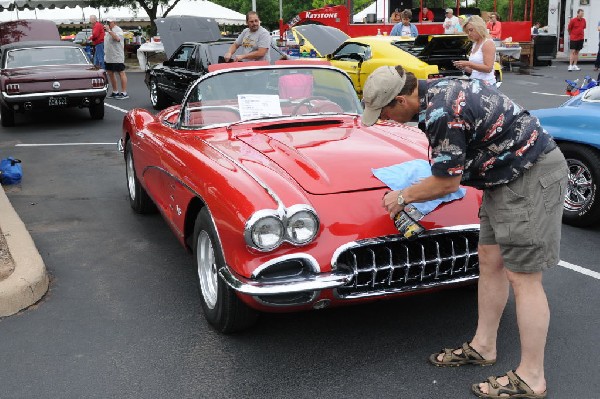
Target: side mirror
{"x": 329, "y": 57}
{"x": 302, "y": 42}
{"x": 167, "y": 63}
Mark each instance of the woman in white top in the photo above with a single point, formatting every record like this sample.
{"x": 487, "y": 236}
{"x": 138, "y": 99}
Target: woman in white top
{"x": 483, "y": 52}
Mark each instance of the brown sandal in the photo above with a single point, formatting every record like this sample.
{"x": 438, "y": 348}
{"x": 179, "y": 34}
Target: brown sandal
{"x": 516, "y": 388}
{"x": 451, "y": 359}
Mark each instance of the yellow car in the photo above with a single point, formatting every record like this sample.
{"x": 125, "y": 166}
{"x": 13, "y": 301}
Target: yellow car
{"x": 427, "y": 56}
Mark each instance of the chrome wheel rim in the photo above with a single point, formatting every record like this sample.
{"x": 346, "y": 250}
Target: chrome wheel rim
{"x": 153, "y": 92}
{"x": 207, "y": 269}
{"x": 580, "y": 189}
{"x": 130, "y": 176}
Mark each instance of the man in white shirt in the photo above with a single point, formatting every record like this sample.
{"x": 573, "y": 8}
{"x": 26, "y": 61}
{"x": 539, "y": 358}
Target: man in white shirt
{"x": 450, "y": 23}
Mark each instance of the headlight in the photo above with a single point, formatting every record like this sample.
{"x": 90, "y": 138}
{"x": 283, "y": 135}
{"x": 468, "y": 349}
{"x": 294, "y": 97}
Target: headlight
{"x": 267, "y": 233}
{"x": 302, "y": 227}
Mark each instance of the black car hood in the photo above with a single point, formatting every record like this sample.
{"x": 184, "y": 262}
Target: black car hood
{"x": 325, "y": 39}
{"x": 439, "y": 46}
{"x": 176, "y": 30}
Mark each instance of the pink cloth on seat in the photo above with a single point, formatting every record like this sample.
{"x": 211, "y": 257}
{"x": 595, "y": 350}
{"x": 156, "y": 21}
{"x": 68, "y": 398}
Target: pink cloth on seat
{"x": 295, "y": 86}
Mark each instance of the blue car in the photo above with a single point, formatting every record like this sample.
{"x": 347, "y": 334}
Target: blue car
{"x": 575, "y": 126}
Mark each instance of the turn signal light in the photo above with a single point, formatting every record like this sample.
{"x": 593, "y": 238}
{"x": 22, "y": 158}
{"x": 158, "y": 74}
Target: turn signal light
{"x": 97, "y": 83}
{"x": 13, "y": 88}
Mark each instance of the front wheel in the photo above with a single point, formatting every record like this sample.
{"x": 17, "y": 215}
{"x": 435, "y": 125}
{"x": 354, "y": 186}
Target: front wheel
{"x": 582, "y": 207}
{"x": 222, "y": 308}
{"x": 7, "y": 116}
{"x": 139, "y": 199}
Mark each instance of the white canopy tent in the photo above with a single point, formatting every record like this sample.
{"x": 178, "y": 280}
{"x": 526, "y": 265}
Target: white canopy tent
{"x": 74, "y": 14}
{"x": 204, "y": 8}
{"x": 377, "y": 7}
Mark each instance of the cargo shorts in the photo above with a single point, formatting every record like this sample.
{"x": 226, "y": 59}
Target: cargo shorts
{"x": 524, "y": 217}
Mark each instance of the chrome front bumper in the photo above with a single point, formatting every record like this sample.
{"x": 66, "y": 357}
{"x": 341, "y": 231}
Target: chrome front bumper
{"x": 373, "y": 267}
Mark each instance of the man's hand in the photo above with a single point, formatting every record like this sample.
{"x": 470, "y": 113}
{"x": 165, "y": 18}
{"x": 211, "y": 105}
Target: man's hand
{"x": 390, "y": 203}
{"x": 227, "y": 56}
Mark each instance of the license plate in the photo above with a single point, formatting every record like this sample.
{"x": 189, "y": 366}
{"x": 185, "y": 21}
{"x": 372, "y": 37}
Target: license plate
{"x": 57, "y": 101}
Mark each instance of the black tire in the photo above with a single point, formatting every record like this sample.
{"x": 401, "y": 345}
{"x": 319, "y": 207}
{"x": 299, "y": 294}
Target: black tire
{"x": 139, "y": 199}
{"x": 97, "y": 111}
{"x": 7, "y": 116}
{"x": 582, "y": 204}
{"x": 222, "y": 308}
{"x": 158, "y": 99}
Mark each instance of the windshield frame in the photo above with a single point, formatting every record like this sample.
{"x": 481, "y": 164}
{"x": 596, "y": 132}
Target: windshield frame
{"x": 185, "y": 103}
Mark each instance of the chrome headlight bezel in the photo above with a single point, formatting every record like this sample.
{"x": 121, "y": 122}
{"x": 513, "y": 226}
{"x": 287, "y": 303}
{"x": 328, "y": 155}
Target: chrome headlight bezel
{"x": 283, "y": 217}
{"x": 292, "y": 214}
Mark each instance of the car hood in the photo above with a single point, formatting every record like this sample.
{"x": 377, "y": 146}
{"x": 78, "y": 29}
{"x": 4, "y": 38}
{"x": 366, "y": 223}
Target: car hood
{"x": 427, "y": 46}
{"x": 52, "y": 72}
{"x": 175, "y": 30}
{"x": 338, "y": 157}
{"x": 325, "y": 39}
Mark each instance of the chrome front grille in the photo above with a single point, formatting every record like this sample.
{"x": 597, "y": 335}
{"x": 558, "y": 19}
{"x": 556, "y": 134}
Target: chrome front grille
{"x": 394, "y": 264}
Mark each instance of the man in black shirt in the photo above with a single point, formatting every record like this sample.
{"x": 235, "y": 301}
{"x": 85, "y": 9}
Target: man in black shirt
{"x": 480, "y": 138}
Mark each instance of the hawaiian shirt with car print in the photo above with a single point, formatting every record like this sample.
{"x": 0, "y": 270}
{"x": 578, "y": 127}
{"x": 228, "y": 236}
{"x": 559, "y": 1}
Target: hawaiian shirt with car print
{"x": 476, "y": 131}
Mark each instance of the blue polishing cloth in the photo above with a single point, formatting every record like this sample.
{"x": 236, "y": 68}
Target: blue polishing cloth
{"x": 402, "y": 175}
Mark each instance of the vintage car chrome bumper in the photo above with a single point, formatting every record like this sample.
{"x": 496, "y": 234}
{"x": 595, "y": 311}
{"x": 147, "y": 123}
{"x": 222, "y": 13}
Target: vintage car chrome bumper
{"x": 17, "y": 98}
{"x": 285, "y": 286}
{"x": 370, "y": 268}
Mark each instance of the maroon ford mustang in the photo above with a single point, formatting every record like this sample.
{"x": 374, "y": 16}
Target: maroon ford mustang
{"x": 48, "y": 75}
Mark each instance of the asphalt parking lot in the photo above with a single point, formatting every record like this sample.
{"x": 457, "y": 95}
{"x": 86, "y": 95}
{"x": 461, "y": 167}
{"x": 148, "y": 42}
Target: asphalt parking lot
{"x": 122, "y": 317}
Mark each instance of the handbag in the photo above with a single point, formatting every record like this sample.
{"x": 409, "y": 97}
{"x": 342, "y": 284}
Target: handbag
{"x": 11, "y": 171}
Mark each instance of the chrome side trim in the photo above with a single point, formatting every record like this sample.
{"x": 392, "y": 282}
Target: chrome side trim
{"x": 283, "y": 286}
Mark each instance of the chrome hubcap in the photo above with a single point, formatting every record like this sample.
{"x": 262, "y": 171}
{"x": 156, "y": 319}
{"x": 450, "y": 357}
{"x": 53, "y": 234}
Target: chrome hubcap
{"x": 579, "y": 187}
{"x": 130, "y": 176}
{"x": 153, "y": 93}
{"x": 207, "y": 269}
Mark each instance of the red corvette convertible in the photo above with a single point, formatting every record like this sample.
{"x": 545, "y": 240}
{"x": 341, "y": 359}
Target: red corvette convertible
{"x": 265, "y": 174}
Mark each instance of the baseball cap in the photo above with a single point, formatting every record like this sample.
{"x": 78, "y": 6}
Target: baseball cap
{"x": 381, "y": 87}
{"x": 449, "y": 10}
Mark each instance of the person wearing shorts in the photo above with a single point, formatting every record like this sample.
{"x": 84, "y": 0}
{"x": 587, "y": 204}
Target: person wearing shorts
{"x": 481, "y": 138}
{"x": 576, "y": 30}
{"x": 114, "y": 59}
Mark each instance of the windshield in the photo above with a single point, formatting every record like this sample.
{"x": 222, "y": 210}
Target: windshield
{"x": 38, "y": 56}
{"x": 252, "y": 94}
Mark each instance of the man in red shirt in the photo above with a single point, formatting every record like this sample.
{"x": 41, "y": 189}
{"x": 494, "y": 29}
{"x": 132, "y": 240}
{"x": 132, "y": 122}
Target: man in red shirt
{"x": 425, "y": 15}
{"x": 576, "y": 27}
{"x": 97, "y": 40}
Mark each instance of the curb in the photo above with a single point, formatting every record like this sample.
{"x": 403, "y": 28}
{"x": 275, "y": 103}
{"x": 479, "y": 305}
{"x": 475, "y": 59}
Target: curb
{"x": 29, "y": 280}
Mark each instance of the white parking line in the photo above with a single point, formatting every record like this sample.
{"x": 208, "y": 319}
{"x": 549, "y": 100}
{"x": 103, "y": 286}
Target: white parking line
{"x": 580, "y": 269}
{"x": 115, "y": 107}
{"x": 550, "y": 94}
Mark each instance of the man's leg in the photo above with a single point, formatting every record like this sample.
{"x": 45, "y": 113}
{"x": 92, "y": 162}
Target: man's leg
{"x": 571, "y": 57}
{"x": 575, "y": 57}
{"x": 113, "y": 81}
{"x": 123, "y": 78}
{"x": 533, "y": 317}
{"x": 492, "y": 297}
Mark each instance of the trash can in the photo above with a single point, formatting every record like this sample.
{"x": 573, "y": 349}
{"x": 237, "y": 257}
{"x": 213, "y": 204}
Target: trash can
{"x": 544, "y": 49}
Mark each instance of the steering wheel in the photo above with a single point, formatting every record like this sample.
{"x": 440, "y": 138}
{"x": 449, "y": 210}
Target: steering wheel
{"x": 306, "y": 101}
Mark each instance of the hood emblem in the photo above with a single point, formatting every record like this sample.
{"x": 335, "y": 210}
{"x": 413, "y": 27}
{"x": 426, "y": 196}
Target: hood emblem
{"x": 56, "y": 85}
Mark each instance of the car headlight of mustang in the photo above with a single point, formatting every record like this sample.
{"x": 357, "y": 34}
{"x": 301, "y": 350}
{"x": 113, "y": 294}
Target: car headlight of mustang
{"x": 267, "y": 229}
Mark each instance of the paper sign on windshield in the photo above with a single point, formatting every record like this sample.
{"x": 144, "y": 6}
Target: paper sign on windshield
{"x": 254, "y": 106}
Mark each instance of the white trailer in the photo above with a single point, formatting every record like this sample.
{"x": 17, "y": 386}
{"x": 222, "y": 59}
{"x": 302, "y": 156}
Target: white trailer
{"x": 560, "y": 12}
